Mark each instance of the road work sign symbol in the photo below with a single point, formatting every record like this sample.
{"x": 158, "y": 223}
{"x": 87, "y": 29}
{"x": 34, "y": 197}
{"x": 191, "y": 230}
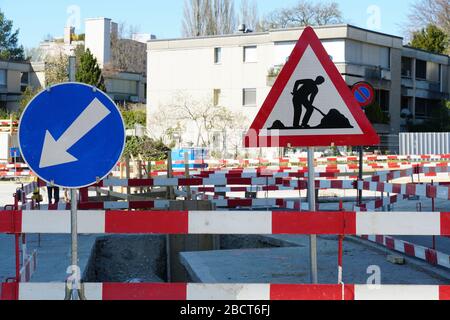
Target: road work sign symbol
{"x": 310, "y": 104}
{"x": 71, "y": 135}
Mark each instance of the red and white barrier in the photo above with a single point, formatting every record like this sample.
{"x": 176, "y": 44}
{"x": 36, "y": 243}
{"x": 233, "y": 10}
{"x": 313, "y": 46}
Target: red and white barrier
{"x": 239, "y": 292}
{"x": 380, "y": 203}
{"x": 29, "y": 267}
{"x": 228, "y": 222}
{"x": 429, "y": 255}
{"x": 410, "y": 189}
{"x": 294, "y": 160}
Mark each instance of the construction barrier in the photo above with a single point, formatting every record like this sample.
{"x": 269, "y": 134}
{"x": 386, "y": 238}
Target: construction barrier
{"x": 225, "y": 292}
{"x": 29, "y": 267}
{"x": 429, "y": 255}
{"x": 228, "y": 222}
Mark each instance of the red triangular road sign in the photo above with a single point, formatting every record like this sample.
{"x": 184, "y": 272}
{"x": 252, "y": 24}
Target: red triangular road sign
{"x": 310, "y": 104}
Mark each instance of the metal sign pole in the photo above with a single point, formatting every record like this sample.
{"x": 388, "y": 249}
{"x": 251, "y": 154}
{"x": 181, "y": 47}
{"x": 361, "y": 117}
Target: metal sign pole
{"x": 312, "y": 208}
{"x": 74, "y": 230}
{"x": 360, "y": 175}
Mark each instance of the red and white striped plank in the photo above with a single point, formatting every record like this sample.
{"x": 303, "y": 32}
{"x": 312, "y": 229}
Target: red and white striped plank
{"x": 429, "y": 255}
{"x": 181, "y": 182}
{"x": 320, "y": 184}
{"x": 410, "y": 189}
{"x": 264, "y": 174}
{"x": 228, "y": 292}
{"x": 23, "y": 173}
{"x": 380, "y": 203}
{"x": 304, "y": 206}
{"x": 418, "y": 158}
{"x": 29, "y": 267}
{"x": 228, "y": 222}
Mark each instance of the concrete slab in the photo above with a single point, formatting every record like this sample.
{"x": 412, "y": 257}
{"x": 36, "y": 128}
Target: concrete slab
{"x": 291, "y": 265}
{"x": 53, "y": 256}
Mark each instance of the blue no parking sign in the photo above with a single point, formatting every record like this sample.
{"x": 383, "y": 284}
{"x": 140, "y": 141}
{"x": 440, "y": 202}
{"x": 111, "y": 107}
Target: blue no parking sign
{"x": 71, "y": 135}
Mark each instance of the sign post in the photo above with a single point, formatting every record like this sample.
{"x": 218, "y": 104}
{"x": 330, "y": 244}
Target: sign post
{"x": 312, "y": 208}
{"x": 72, "y": 135}
{"x": 364, "y": 94}
{"x": 311, "y": 105}
{"x": 75, "y": 285}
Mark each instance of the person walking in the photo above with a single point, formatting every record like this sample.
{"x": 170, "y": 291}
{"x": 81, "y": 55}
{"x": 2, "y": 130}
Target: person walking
{"x": 52, "y": 192}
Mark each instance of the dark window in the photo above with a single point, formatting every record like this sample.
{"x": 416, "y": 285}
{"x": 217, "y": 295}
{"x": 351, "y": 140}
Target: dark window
{"x": 406, "y": 67}
{"x": 2, "y": 78}
{"x": 383, "y": 97}
{"x": 217, "y": 55}
{"x": 421, "y": 69}
{"x": 405, "y": 103}
{"x": 24, "y": 81}
{"x": 425, "y": 107}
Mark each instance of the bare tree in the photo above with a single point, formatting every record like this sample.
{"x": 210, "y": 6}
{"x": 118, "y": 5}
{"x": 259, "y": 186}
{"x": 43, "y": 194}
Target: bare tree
{"x": 224, "y": 16}
{"x": 249, "y": 15}
{"x": 56, "y": 69}
{"x": 194, "y": 17}
{"x": 426, "y": 12}
{"x": 208, "y": 17}
{"x": 127, "y": 55}
{"x": 305, "y": 13}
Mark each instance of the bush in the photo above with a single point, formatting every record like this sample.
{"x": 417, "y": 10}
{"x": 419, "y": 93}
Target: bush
{"x": 132, "y": 117}
{"x": 147, "y": 148}
{"x": 439, "y": 121}
{"x": 375, "y": 114}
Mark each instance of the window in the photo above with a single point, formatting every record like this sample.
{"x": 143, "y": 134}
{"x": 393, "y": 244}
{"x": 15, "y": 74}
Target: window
{"x": 250, "y": 54}
{"x": 249, "y": 97}
{"x": 421, "y": 69}
{"x": 406, "y": 67}
{"x": 2, "y": 78}
{"x": 216, "y": 97}
{"x": 24, "y": 81}
{"x": 383, "y": 97}
{"x": 425, "y": 107}
{"x": 217, "y": 55}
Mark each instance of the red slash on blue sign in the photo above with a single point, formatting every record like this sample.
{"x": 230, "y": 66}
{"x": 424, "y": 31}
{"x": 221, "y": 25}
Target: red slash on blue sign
{"x": 363, "y": 93}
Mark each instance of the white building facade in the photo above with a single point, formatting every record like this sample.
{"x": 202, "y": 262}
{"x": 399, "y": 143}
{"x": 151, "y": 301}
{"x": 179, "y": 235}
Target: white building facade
{"x": 236, "y": 71}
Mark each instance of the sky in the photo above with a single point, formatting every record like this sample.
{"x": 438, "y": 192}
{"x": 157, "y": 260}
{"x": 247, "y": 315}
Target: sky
{"x": 38, "y": 18}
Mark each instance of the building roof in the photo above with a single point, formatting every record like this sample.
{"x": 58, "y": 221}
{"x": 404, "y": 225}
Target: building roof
{"x": 335, "y": 26}
{"x": 328, "y": 32}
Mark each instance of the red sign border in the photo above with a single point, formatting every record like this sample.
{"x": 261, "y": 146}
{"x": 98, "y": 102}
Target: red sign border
{"x": 309, "y": 38}
{"x": 367, "y": 86}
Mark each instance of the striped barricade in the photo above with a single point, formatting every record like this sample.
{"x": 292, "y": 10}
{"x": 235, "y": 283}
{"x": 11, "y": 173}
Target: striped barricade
{"x": 228, "y": 292}
{"x": 228, "y": 222}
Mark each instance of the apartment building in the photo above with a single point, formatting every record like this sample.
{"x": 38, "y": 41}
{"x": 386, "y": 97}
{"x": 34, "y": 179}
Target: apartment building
{"x": 123, "y": 86}
{"x": 14, "y": 78}
{"x": 238, "y": 71}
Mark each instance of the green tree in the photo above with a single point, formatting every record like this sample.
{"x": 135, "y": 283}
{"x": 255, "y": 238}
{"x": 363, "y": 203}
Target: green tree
{"x": 9, "y": 47}
{"x": 132, "y": 117}
{"x": 89, "y": 71}
{"x": 27, "y": 96}
{"x": 431, "y": 39}
{"x": 375, "y": 114}
{"x": 147, "y": 148}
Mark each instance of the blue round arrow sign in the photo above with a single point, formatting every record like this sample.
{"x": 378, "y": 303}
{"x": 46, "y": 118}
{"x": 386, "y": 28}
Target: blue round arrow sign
{"x": 71, "y": 135}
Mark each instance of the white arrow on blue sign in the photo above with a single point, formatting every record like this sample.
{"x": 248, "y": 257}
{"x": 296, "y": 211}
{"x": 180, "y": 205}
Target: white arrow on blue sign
{"x": 71, "y": 135}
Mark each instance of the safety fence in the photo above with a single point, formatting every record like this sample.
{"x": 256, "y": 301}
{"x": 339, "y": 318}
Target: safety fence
{"x": 429, "y": 255}
{"x": 324, "y": 165}
{"x": 228, "y": 222}
{"x": 242, "y": 292}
